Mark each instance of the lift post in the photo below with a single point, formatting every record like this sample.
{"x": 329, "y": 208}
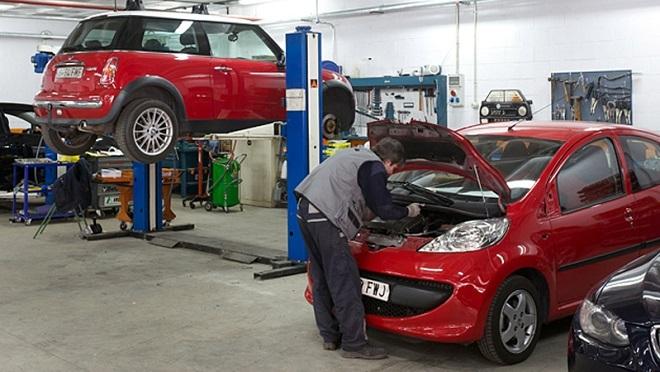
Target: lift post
{"x": 304, "y": 105}
{"x": 147, "y": 197}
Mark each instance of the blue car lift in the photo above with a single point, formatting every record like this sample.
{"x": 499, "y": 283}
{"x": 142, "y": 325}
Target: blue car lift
{"x": 304, "y": 103}
{"x": 147, "y": 205}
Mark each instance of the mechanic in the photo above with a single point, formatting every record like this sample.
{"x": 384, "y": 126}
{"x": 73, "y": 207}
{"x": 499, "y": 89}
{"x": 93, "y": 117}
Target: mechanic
{"x": 333, "y": 202}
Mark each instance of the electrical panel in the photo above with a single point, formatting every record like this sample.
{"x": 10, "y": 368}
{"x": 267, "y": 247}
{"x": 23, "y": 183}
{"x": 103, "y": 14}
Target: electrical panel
{"x": 455, "y": 87}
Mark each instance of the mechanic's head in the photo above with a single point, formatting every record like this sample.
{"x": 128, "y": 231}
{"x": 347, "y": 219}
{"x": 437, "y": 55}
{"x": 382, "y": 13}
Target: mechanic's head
{"x": 391, "y": 152}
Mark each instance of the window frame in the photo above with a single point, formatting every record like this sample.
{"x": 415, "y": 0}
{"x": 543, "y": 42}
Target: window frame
{"x": 118, "y": 39}
{"x": 263, "y": 35}
{"x": 612, "y": 197}
{"x": 624, "y": 147}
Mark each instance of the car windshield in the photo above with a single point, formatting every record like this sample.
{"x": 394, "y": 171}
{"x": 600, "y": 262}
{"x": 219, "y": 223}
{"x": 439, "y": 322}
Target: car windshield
{"x": 520, "y": 161}
{"x": 95, "y": 34}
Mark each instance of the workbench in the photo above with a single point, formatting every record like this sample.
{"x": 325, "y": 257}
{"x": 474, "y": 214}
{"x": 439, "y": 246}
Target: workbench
{"x": 124, "y": 184}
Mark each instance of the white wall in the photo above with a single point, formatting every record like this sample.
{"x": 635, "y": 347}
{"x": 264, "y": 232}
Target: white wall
{"x": 520, "y": 43}
{"x": 18, "y": 81}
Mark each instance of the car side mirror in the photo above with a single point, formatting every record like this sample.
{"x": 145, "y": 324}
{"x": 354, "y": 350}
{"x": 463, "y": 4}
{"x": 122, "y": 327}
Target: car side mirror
{"x": 281, "y": 60}
{"x": 529, "y": 101}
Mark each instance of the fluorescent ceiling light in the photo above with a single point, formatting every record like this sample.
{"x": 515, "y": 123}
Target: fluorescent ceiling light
{"x": 6, "y": 7}
{"x": 252, "y": 2}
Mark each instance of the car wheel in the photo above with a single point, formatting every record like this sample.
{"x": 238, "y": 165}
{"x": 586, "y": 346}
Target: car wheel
{"x": 147, "y": 130}
{"x": 329, "y": 126}
{"x": 338, "y": 113}
{"x": 74, "y": 143}
{"x": 513, "y": 325}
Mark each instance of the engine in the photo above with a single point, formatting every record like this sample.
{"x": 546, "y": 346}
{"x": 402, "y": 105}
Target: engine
{"x": 393, "y": 233}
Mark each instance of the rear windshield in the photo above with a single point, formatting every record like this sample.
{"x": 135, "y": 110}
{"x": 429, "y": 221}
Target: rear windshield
{"x": 520, "y": 160}
{"x": 95, "y": 34}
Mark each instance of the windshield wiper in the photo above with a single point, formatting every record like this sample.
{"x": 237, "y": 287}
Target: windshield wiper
{"x": 419, "y": 190}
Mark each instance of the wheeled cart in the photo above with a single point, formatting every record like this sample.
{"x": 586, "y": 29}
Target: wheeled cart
{"x": 225, "y": 188}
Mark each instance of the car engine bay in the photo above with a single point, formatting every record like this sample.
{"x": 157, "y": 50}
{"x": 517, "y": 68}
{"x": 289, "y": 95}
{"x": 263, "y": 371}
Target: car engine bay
{"x": 429, "y": 223}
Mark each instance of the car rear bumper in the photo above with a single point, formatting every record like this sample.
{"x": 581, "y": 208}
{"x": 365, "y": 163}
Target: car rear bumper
{"x": 76, "y": 109}
{"x": 48, "y": 104}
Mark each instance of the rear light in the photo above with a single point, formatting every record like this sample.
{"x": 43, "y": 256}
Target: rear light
{"x": 109, "y": 71}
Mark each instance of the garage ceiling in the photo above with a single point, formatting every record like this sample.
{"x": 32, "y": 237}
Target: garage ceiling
{"x": 83, "y": 8}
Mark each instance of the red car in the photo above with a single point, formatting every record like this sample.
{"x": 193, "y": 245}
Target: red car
{"x": 518, "y": 224}
{"x": 147, "y": 78}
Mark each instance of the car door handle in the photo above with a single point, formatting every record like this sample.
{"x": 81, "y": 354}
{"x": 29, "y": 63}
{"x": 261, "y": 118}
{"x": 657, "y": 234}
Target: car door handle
{"x": 223, "y": 68}
{"x": 627, "y": 215}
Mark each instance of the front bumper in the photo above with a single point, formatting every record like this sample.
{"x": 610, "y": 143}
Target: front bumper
{"x": 445, "y": 295}
{"x": 586, "y": 354}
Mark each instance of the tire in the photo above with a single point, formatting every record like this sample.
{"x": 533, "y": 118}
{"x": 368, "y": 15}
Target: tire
{"x": 337, "y": 106}
{"x": 75, "y": 143}
{"x": 147, "y": 130}
{"x": 208, "y": 206}
{"x": 509, "y": 338}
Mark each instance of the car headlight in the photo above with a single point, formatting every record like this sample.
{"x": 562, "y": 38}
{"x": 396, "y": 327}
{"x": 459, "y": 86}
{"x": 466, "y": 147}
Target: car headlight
{"x": 522, "y": 110}
{"x": 469, "y": 236}
{"x": 602, "y": 325}
{"x": 485, "y": 111}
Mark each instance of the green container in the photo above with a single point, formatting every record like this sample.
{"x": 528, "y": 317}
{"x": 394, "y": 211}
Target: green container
{"x": 225, "y": 182}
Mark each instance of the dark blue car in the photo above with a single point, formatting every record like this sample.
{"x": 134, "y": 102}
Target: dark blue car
{"x": 617, "y": 328}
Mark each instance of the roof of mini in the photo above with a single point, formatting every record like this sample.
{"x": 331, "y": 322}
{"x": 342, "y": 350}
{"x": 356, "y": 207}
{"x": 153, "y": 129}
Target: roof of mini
{"x": 174, "y": 15}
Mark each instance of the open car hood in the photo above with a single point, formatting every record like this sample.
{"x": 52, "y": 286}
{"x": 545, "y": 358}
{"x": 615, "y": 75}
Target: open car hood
{"x": 443, "y": 146}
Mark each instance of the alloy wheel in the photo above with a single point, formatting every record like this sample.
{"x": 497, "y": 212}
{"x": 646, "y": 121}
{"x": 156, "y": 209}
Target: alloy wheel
{"x": 153, "y": 131}
{"x": 518, "y": 321}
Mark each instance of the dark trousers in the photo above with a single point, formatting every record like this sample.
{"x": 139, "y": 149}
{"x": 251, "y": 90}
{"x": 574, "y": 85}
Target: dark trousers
{"x": 338, "y": 307}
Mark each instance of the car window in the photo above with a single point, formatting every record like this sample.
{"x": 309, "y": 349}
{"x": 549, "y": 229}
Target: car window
{"x": 512, "y": 96}
{"x": 169, "y": 35}
{"x": 591, "y": 175}
{"x": 238, "y": 41}
{"x": 495, "y": 96}
{"x": 643, "y": 160}
{"x": 520, "y": 160}
{"x": 95, "y": 34}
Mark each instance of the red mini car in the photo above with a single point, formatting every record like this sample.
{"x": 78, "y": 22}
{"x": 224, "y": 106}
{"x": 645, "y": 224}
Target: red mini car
{"x": 148, "y": 77}
{"x": 518, "y": 223}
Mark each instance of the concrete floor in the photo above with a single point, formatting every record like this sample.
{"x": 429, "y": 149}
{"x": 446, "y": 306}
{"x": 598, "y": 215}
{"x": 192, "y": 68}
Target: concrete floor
{"x": 126, "y": 305}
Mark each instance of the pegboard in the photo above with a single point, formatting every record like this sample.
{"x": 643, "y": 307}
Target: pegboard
{"x": 603, "y": 96}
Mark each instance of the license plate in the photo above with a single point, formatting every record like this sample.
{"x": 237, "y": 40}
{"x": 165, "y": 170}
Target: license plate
{"x": 74, "y": 72}
{"x": 111, "y": 201}
{"x": 375, "y": 289}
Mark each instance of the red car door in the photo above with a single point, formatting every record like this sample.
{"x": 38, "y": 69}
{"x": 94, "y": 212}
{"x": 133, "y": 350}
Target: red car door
{"x": 642, "y": 160}
{"x": 592, "y": 233}
{"x": 248, "y": 81}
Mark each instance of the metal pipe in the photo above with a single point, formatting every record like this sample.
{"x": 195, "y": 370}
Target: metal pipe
{"x": 381, "y": 9}
{"x": 475, "y": 105}
{"x": 60, "y": 4}
{"x": 31, "y": 36}
{"x": 458, "y": 34}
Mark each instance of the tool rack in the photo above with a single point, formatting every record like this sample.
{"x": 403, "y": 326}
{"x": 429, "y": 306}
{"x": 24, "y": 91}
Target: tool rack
{"x": 603, "y": 96}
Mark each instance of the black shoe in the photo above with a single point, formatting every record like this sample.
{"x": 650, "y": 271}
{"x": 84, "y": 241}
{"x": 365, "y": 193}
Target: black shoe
{"x": 365, "y": 352}
{"x": 329, "y": 345}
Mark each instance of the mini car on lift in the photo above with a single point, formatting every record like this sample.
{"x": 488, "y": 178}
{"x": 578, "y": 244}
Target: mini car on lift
{"x": 519, "y": 222}
{"x": 147, "y": 77}
{"x": 505, "y": 105}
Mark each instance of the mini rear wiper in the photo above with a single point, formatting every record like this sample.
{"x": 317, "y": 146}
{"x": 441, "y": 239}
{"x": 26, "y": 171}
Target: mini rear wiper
{"x": 419, "y": 190}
